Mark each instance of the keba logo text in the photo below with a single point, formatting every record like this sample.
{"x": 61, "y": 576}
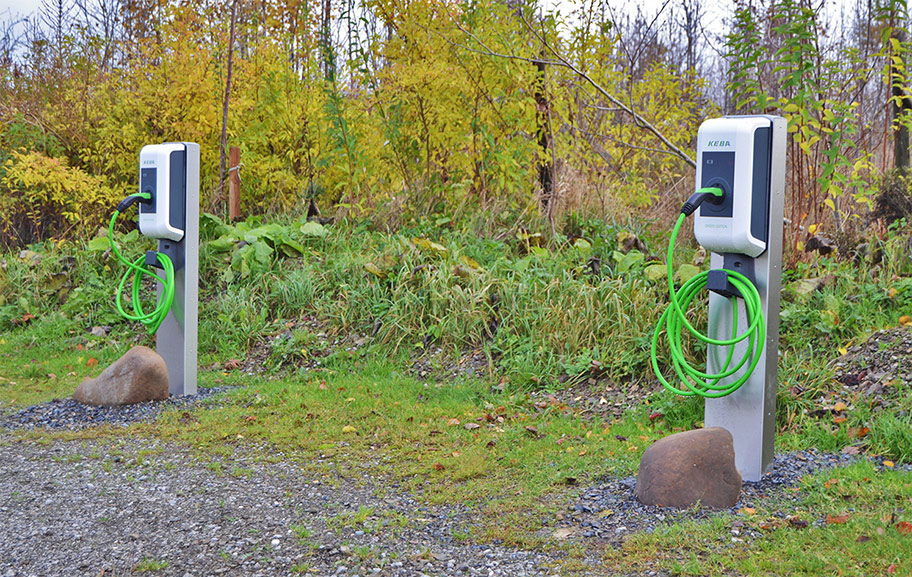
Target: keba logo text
{"x": 718, "y": 143}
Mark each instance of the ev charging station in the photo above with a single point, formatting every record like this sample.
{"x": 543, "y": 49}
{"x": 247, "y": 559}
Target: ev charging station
{"x": 739, "y": 209}
{"x": 168, "y": 200}
{"x": 170, "y": 173}
{"x": 746, "y": 156}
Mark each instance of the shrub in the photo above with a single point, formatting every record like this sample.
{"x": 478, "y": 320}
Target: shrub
{"x": 43, "y": 197}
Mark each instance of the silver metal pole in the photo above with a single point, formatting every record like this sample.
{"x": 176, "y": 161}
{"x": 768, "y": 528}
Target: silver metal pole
{"x": 749, "y": 413}
{"x": 176, "y": 339}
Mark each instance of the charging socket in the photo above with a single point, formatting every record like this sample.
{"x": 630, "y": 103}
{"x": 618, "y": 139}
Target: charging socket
{"x": 734, "y": 154}
{"x": 163, "y": 174}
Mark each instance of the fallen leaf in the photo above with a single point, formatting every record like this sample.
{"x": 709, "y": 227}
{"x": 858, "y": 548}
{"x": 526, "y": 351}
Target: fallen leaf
{"x": 797, "y": 523}
{"x": 563, "y": 533}
{"x": 889, "y": 464}
{"x": 655, "y": 416}
{"x": 438, "y": 467}
{"x": 837, "y": 519}
{"x": 905, "y": 320}
{"x": 472, "y": 426}
{"x": 747, "y": 510}
{"x": 851, "y": 450}
{"x": 349, "y": 429}
{"x": 92, "y": 362}
{"x": 233, "y": 364}
{"x": 904, "y": 527}
{"x": 838, "y": 420}
{"x": 531, "y": 430}
{"x": 839, "y": 407}
{"x": 862, "y": 539}
{"x": 454, "y": 422}
{"x": 892, "y": 568}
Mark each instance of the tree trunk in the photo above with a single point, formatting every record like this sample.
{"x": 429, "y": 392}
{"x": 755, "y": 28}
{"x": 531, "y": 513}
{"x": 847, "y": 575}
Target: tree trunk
{"x": 901, "y": 104}
{"x": 543, "y": 105}
{"x": 223, "y": 147}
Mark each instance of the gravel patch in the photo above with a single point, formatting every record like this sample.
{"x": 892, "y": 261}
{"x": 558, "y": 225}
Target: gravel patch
{"x": 73, "y": 415}
{"x": 878, "y": 367}
{"x": 608, "y": 511}
{"x": 123, "y": 507}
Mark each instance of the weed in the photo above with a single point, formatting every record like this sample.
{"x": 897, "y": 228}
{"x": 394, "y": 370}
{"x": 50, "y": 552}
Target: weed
{"x": 243, "y": 472}
{"x": 302, "y": 533}
{"x": 148, "y": 564}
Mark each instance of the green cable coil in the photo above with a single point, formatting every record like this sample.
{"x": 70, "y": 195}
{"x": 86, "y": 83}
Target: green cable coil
{"x": 151, "y": 320}
{"x": 692, "y": 380}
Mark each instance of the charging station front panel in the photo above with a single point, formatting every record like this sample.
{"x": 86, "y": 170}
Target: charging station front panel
{"x": 733, "y": 154}
{"x": 163, "y": 175}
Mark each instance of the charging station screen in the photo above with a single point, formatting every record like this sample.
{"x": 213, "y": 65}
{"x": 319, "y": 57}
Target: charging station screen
{"x": 716, "y": 167}
{"x": 147, "y": 183}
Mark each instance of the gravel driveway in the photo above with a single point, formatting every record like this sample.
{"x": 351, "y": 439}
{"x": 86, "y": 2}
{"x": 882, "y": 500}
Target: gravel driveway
{"x": 140, "y": 506}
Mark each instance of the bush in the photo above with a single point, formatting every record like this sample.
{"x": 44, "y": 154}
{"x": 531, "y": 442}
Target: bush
{"x": 42, "y": 197}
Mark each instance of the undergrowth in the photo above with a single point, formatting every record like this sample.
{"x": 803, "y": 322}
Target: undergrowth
{"x": 543, "y": 315}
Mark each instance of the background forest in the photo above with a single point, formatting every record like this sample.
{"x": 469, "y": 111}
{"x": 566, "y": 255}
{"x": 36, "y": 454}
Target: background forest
{"x": 492, "y": 115}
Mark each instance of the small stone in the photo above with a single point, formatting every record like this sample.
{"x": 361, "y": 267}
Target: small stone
{"x": 100, "y": 331}
{"x": 685, "y": 468}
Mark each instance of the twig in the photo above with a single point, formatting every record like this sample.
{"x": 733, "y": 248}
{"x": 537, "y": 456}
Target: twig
{"x": 637, "y": 118}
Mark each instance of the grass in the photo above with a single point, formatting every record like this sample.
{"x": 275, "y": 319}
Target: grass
{"x": 542, "y": 321}
{"x": 148, "y": 565}
{"x": 849, "y": 521}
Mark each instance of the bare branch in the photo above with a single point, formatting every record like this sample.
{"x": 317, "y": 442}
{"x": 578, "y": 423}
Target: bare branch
{"x": 636, "y": 117}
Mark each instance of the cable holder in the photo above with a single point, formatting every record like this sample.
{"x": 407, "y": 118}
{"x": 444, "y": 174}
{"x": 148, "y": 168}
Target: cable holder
{"x": 718, "y": 280}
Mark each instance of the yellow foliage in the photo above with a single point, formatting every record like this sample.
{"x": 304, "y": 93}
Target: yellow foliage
{"x": 43, "y": 197}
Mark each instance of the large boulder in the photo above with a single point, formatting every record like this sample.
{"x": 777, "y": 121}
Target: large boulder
{"x": 685, "y": 468}
{"x": 138, "y": 376}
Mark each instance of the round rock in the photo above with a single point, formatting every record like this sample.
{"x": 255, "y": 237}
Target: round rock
{"x": 139, "y": 375}
{"x": 690, "y": 467}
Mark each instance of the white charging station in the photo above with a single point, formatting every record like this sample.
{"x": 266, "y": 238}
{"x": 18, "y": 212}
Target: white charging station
{"x": 745, "y": 157}
{"x": 169, "y": 172}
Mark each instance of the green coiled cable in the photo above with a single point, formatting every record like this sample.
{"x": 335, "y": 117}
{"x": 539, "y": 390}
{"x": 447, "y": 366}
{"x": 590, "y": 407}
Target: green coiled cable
{"x": 693, "y": 381}
{"x": 151, "y": 320}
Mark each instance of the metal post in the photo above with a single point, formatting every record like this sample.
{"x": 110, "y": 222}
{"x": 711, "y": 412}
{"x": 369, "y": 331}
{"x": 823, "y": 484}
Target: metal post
{"x": 234, "y": 183}
{"x": 749, "y": 413}
{"x": 176, "y": 339}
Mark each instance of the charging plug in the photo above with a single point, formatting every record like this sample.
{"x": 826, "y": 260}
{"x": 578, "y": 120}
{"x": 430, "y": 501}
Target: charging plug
{"x": 713, "y": 194}
{"x": 132, "y": 199}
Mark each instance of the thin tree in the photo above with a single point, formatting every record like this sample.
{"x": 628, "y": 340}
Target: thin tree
{"x": 223, "y": 143}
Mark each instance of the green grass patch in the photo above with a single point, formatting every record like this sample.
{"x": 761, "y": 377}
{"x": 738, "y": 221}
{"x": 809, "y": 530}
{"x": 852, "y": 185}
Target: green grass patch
{"x": 853, "y": 520}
